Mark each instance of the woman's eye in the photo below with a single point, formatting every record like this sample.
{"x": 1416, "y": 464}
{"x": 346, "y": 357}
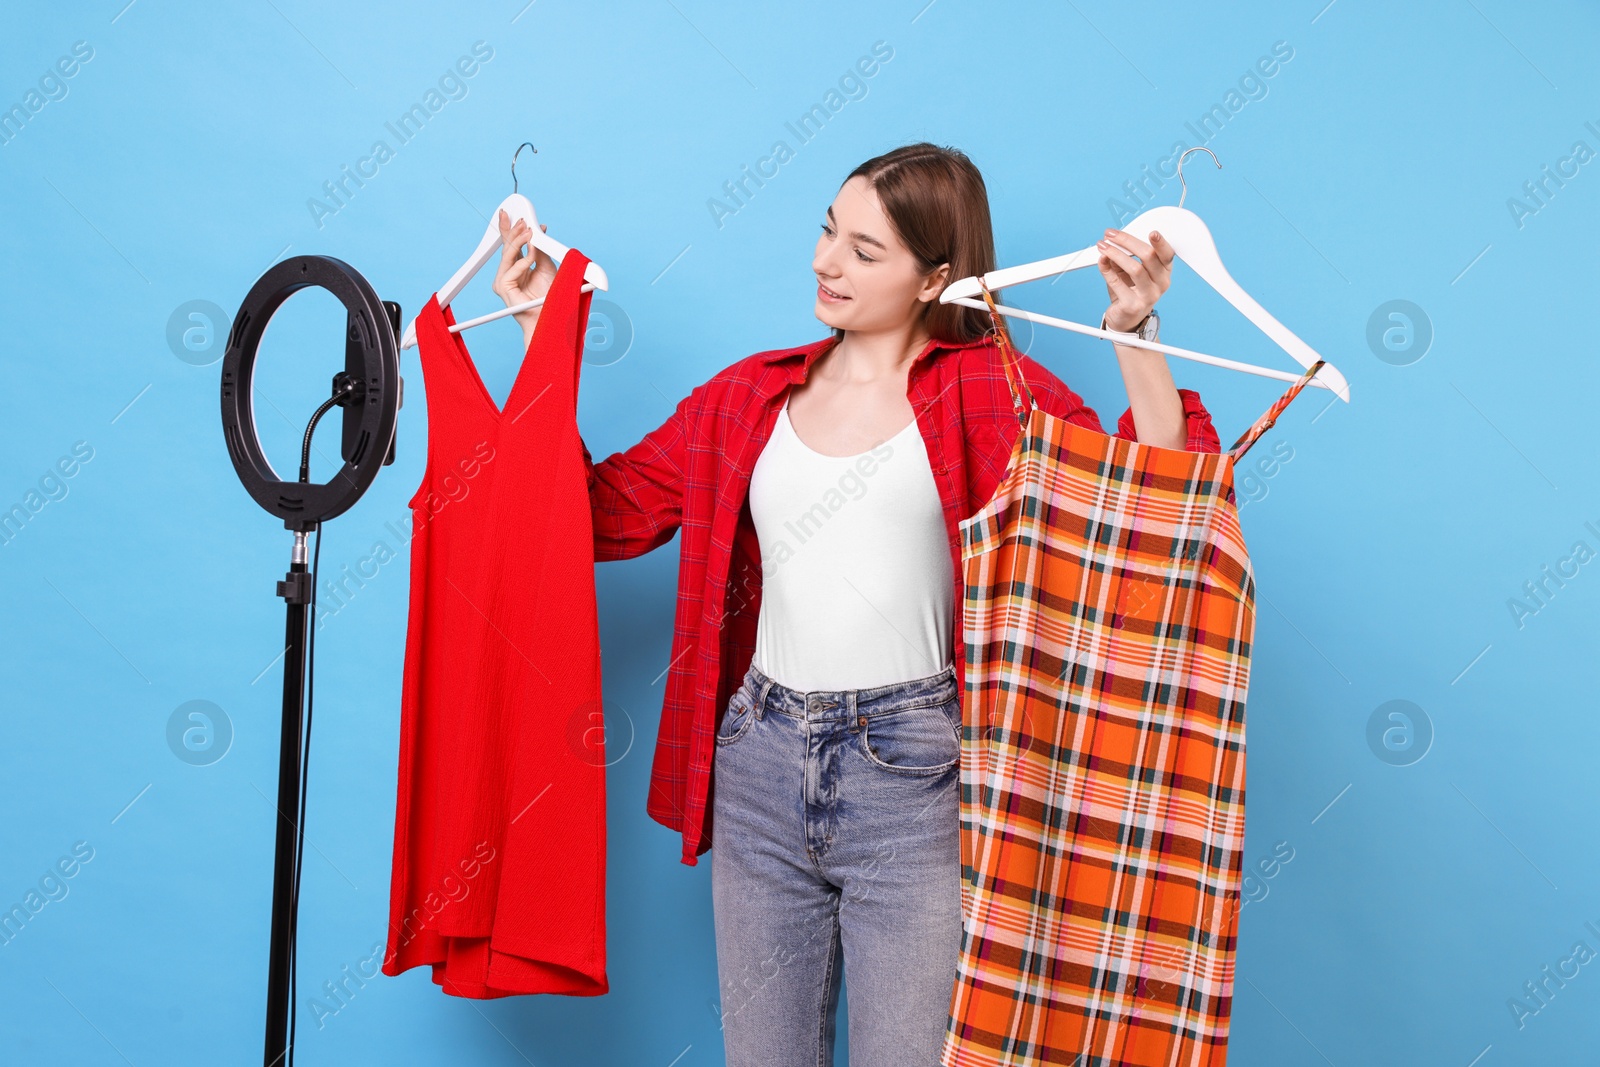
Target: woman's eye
{"x": 859, "y": 254}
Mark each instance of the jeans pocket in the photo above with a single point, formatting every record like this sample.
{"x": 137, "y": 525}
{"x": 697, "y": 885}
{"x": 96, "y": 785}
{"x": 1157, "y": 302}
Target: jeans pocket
{"x": 737, "y": 718}
{"x": 915, "y": 741}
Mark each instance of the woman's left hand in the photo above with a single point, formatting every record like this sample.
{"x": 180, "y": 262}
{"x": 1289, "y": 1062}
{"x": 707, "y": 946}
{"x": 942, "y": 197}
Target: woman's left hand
{"x": 1134, "y": 284}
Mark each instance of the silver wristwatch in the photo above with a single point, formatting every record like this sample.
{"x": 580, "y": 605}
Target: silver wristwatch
{"x": 1148, "y": 330}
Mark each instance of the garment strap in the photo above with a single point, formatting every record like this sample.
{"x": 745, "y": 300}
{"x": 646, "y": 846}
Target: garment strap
{"x": 1264, "y": 423}
{"x": 1008, "y": 354}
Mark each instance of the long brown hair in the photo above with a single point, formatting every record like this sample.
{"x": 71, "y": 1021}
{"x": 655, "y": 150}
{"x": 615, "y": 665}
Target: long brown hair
{"x": 936, "y": 200}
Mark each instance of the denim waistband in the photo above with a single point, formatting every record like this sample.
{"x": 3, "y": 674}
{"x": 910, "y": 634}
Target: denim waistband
{"x": 845, "y": 704}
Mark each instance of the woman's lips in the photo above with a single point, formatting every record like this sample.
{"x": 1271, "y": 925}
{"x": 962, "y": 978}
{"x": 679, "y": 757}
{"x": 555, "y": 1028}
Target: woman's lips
{"x": 827, "y": 296}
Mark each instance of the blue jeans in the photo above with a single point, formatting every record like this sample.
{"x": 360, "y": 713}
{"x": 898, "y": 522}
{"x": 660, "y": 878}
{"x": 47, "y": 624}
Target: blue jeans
{"x": 835, "y": 843}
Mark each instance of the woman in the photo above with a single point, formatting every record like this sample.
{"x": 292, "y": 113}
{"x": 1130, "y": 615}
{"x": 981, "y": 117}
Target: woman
{"x": 816, "y": 657}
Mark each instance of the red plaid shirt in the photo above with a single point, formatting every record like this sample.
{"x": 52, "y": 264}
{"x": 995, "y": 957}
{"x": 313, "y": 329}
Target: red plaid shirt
{"x": 693, "y": 472}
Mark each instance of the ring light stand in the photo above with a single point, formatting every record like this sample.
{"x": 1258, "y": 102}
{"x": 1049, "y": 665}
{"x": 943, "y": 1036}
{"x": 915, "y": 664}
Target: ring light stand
{"x": 369, "y": 390}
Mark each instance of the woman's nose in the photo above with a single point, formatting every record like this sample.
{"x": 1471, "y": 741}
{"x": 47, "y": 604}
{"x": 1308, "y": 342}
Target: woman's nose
{"x": 822, "y": 261}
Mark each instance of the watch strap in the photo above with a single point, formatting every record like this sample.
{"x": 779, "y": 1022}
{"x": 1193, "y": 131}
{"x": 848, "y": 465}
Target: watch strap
{"x": 1138, "y": 327}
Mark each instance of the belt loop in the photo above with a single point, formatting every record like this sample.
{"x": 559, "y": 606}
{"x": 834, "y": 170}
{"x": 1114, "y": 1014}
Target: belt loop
{"x": 761, "y": 698}
{"x": 852, "y": 720}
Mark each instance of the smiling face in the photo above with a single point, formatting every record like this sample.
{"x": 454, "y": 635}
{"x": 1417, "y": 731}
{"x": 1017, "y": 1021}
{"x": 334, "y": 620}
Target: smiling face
{"x": 867, "y": 278}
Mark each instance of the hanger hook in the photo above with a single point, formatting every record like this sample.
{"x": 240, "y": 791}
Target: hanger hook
{"x": 1201, "y": 148}
{"x": 529, "y": 144}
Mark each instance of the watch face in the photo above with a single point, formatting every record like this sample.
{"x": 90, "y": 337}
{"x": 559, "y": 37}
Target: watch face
{"x": 1151, "y": 327}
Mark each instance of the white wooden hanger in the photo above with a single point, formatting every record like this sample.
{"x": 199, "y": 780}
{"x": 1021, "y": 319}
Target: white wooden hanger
{"x": 516, "y": 206}
{"x": 1192, "y": 242}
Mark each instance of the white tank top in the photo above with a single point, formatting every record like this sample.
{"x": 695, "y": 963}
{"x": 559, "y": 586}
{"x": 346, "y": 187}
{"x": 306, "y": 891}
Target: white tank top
{"x": 855, "y": 564}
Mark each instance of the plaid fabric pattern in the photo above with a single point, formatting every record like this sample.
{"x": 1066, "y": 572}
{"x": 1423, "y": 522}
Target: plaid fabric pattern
{"x": 1109, "y": 615}
{"x": 693, "y": 473}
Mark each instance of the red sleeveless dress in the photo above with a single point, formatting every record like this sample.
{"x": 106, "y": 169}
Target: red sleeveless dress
{"x": 499, "y": 842}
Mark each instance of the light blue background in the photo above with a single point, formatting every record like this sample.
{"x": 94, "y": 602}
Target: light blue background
{"x": 1376, "y": 167}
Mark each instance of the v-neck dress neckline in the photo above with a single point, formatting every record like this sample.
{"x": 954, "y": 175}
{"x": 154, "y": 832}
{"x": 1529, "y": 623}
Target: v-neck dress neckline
{"x": 459, "y": 344}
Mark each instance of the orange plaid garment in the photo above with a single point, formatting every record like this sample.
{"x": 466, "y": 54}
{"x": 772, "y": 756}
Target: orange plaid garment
{"x": 1109, "y": 615}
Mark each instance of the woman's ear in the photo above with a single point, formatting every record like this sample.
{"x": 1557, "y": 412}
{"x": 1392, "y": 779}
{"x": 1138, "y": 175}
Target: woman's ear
{"x": 937, "y": 280}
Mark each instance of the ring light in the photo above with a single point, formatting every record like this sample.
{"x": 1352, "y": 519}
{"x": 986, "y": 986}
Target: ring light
{"x": 371, "y": 379}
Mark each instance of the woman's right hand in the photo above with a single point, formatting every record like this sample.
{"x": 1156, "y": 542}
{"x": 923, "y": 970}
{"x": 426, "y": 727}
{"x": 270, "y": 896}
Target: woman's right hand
{"x": 522, "y": 277}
